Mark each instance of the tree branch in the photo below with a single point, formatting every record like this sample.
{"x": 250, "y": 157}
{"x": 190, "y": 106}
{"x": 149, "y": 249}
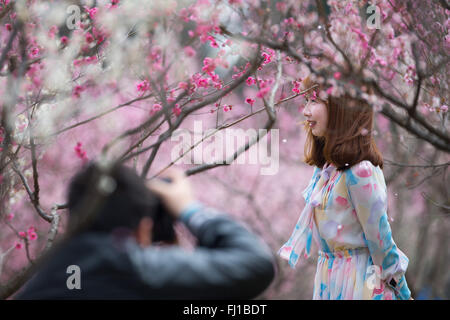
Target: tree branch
{"x": 256, "y": 61}
{"x": 411, "y": 127}
{"x": 270, "y": 122}
{"x": 36, "y": 205}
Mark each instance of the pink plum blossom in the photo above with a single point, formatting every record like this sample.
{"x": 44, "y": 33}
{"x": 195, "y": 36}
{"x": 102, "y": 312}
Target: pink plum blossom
{"x": 250, "y": 101}
{"x": 250, "y": 81}
{"x": 189, "y": 51}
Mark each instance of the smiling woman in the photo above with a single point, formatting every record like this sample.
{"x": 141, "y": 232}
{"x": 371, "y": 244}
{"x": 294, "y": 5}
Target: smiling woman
{"x": 317, "y": 117}
{"x": 315, "y": 110}
{"x": 346, "y": 205}
{"x": 339, "y": 130}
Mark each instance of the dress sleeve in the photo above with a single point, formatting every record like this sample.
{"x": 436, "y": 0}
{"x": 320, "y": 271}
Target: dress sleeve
{"x": 308, "y": 190}
{"x": 368, "y": 194}
{"x": 301, "y": 238}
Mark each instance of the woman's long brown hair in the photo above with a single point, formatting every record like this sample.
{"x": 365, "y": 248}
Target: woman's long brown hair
{"x": 348, "y": 138}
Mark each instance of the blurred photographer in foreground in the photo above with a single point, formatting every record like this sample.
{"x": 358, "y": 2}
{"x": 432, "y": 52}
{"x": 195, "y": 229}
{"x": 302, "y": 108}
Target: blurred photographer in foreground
{"x": 128, "y": 249}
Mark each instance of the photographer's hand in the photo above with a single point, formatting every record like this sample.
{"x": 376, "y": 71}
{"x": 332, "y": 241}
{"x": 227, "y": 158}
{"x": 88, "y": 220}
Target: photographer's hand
{"x": 176, "y": 195}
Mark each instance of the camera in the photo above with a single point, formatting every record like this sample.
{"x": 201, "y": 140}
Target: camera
{"x": 163, "y": 229}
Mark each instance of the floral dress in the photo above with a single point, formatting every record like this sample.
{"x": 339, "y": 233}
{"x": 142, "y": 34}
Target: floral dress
{"x": 346, "y": 215}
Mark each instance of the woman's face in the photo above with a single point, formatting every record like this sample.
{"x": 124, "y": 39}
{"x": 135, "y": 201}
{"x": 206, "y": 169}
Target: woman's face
{"x": 317, "y": 116}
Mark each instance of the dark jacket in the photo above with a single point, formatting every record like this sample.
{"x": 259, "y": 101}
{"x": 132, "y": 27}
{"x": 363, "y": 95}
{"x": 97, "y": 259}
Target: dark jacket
{"x": 228, "y": 263}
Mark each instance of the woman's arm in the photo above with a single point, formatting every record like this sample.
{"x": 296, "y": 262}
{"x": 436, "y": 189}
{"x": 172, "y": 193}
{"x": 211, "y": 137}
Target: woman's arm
{"x": 367, "y": 192}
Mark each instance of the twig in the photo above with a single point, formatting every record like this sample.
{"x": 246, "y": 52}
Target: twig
{"x": 102, "y": 114}
{"x": 27, "y": 244}
{"x": 411, "y": 127}
{"x": 434, "y": 202}
{"x": 33, "y": 162}
{"x": 185, "y": 112}
{"x": 272, "y": 118}
{"x": 36, "y": 205}
{"x": 417, "y": 165}
{"x": 142, "y": 126}
{"x": 140, "y": 141}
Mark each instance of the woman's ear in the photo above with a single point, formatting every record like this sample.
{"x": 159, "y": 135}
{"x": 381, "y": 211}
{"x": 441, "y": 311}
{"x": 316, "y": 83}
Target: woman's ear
{"x": 144, "y": 232}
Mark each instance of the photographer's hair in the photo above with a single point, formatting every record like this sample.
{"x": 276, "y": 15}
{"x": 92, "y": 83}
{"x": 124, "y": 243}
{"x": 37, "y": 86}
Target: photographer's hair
{"x": 348, "y": 138}
{"x": 125, "y": 203}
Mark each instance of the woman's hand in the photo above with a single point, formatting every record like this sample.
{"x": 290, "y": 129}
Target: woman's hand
{"x": 177, "y": 194}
